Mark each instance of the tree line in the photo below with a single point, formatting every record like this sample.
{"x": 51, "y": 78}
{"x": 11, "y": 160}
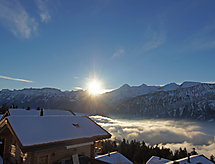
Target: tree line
{"x": 139, "y": 152}
{"x": 5, "y": 107}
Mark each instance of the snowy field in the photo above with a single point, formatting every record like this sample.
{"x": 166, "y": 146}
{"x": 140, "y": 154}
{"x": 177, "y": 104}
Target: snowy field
{"x": 169, "y": 133}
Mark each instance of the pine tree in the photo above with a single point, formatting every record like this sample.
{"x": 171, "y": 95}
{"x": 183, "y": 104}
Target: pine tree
{"x": 212, "y": 158}
{"x": 3, "y": 109}
{"x": 194, "y": 152}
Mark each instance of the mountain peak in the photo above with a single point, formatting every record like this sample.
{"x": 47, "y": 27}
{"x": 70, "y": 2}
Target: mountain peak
{"x": 143, "y": 85}
{"x": 125, "y": 86}
{"x": 170, "y": 86}
{"x": 187, "y": 84}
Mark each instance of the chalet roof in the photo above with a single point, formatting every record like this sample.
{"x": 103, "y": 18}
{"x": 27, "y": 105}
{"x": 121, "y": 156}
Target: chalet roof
{"x": 34, "y": 112}
{"x": 157, "y": 160}
{"x": 114, "y": 158}
{"x": 195, "y": 159}
{"x": 37, "y": 130}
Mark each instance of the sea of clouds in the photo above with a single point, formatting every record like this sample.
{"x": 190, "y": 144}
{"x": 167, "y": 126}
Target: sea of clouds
{"x": 168, "y": 133}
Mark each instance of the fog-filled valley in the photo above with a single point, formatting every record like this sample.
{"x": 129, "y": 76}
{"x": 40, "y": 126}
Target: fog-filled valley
{"x": 169, "y": 133}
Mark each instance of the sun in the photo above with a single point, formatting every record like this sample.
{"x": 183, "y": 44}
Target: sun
{"x": 95, "y": 87}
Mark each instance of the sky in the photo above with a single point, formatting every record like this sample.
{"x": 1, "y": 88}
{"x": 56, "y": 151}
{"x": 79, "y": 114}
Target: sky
{"x": 63, "y": 44}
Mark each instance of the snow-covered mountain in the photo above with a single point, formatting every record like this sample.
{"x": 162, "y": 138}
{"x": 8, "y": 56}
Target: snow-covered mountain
{"x": 170, "y": 87}
{"x": 126, "y": 91}
{"x": 187, "y": 100}
{"x": 45, "y": 97}
{"x": 196, "y": 101}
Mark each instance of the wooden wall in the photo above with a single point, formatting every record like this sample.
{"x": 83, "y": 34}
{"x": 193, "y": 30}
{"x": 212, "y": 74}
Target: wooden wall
{"x": 13, "y": 154}
{"x": 58, "y": 154}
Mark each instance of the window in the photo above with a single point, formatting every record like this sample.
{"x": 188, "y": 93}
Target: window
{"x": 43, "y": 159}
{"x": 76, "y": 125}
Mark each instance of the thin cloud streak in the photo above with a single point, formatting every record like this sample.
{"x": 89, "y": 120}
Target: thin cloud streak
{"x": 118, "y": 53}
{"x": 107, "y": 90}
{"x": 78, "y": 88}
{"x": 209, "y": 82}
{"x": 157, "y": 38}
{"x": 201, "y": 40}
{"x": 103, "y": 90}
{"x": 76, "y": 77}
{"x": 15, "y": 79}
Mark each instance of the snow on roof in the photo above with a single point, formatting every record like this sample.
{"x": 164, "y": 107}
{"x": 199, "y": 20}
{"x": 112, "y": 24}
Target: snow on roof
{"x": 33, "y": 112}
{"x": 157, "y": 160}
{"x": 80, "y": 114}
{"x": 35, "y": 130}
{"x": 195, "y": 159}
{"x": 114, "y": 158}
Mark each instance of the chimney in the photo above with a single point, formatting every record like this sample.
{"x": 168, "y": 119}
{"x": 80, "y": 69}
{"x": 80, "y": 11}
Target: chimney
{"x": 188, "y": 158}
{"x": 42, "y": 112}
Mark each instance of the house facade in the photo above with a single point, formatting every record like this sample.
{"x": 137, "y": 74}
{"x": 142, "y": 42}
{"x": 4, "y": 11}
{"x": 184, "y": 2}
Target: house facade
{"x": 48, "y": 139}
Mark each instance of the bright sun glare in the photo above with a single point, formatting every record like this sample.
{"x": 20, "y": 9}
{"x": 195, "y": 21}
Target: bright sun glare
{"x": 94, "y": 87}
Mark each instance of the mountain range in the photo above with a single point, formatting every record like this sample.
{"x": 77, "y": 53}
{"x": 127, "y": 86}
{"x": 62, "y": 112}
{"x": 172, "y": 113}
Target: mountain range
{"x": 189, "y": 100}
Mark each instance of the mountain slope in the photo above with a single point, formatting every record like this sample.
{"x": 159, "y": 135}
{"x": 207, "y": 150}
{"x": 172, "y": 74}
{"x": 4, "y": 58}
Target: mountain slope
{"x": 188, "y": 100}
{"x": 196, "y": 102}
{"x": 126, "y": 91}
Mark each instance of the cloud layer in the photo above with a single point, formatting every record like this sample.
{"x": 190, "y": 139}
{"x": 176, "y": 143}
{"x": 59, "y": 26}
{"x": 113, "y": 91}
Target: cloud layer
{"x": 15, "y": 17}
{"x": 173, "y": 134}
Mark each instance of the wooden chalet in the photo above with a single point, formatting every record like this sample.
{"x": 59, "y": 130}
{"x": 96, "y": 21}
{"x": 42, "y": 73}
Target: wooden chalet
{"x": 49, "y": 139}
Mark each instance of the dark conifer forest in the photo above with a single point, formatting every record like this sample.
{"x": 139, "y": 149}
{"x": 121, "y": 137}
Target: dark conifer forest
{"x": 140, "y": 152}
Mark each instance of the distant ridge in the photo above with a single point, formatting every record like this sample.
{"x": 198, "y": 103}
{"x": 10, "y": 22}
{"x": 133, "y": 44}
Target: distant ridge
{"x": 188, "y": 100}
{"x": 126, "y": 91}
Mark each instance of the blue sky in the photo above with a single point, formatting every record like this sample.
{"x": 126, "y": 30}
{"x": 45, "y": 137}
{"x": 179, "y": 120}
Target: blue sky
{"x": 63, "y": 44}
